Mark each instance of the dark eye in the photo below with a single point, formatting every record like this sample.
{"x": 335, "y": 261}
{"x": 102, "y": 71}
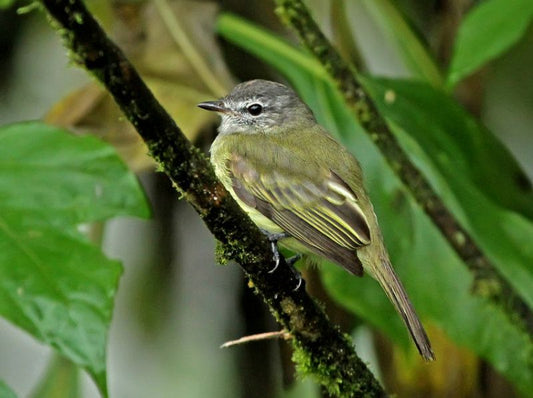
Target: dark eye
{"x": 255, "y": 109}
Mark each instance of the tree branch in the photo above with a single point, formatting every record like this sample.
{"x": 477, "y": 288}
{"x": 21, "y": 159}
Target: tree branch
{"x": 488, "y": 281}
{"x": 321, "y": 350}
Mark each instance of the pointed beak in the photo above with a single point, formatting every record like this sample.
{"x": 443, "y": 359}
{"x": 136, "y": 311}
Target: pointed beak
{"x": 216, "y": 106}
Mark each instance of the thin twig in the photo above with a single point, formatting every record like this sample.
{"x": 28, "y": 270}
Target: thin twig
{"x": 322, "y": 351}
{"x": 488, "y": 281}
{"x": 281, "y": 334}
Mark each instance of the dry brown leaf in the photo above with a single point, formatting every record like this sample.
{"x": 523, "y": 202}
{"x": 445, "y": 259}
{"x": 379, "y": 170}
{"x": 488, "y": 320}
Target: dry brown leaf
{"x": 142, "y": 34}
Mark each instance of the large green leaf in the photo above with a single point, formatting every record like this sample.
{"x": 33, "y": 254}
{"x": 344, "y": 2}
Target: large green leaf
{"x": 486, "y": 32}
{"x": 455, "y": 142}
{"x": 64, "y": 179}
{"x": 5, "y": 391}
{"x": 437, "y": 282}
{"x": 53, "y": 282}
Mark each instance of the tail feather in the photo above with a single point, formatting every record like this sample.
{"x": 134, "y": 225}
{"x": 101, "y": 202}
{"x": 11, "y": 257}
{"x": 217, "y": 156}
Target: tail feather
{"x": 392, "y": 286}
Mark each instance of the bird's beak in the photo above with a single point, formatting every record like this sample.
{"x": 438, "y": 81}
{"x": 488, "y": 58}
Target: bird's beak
{"x": 216, "y": 106}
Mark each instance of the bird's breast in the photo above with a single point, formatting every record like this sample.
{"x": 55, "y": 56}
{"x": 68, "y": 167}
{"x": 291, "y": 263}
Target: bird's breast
{"x": 224, "y": 148}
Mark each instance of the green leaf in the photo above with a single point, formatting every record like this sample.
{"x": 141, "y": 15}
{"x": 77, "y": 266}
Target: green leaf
{"x": 436, "y": 280}
{"x": 64, "y": 179}
{"x": 53, "y": 282}
{"x": 486, "y": 32}
{"x": 5, "y": 391}
{"x": 413, "y": 52}
{"x": 454, "y": 141}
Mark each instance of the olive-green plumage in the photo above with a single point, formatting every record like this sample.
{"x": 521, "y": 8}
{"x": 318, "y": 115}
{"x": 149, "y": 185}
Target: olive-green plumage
{"x": 291, "y": 176}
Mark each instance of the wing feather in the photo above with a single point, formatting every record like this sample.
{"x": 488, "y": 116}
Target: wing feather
{"x": 318, "y": 209}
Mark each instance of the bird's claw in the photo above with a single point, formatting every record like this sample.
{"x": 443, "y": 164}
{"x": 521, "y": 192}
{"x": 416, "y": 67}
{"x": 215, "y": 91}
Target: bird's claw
{"x": 300, "y": 279}
{"x": 276, "y": 256}
{"x": 290, "y": 262}
{"x": 274, "y": 238}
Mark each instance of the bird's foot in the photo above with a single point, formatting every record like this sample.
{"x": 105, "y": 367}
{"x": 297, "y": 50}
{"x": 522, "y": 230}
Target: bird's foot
{"x": 290, "y": 262}
{"x": 274, "y": 238}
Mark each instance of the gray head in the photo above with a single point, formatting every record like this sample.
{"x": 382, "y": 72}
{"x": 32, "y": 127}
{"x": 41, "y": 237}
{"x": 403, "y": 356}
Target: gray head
{"x": 260, "y": 106}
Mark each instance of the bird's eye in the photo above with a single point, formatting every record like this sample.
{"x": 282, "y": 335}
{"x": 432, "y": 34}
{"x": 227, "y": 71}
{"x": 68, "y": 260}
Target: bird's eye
{"x": 255, "y": 109}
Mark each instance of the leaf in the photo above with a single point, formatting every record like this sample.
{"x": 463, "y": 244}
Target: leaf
{"x": 66, "y": 179}
{"x": 413, "y": 52}
{"x": 54, "y": 284}
{"x": 5, "y": 391}
{"x": 437, "y": 282}
{"x": 486, "y": 32}
{"x": 454, "y": 141}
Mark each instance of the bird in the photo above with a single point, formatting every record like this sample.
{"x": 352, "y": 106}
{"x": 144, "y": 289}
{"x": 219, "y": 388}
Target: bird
{"x": 298, "y": 183}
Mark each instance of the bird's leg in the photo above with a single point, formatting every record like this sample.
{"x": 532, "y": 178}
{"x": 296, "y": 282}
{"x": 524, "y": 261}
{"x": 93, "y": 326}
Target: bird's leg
{"x": 274, "y": 238}
{"x": 292, "y": 260}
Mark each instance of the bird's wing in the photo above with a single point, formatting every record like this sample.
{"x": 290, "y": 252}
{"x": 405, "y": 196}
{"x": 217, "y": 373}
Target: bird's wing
{"x": 316, "y": 207}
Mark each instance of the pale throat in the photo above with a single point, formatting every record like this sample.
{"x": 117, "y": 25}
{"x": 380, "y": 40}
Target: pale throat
{"x": 229, "y": 125}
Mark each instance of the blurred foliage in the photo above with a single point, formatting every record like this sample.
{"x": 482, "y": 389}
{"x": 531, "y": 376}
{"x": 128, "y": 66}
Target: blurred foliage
{"x": 486, "y": 32}
{"x": 60, "y": 288}
{"x": 6, "y": 3}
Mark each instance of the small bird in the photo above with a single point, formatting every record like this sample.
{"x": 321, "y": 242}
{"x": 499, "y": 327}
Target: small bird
{"x": 296, "y": 181}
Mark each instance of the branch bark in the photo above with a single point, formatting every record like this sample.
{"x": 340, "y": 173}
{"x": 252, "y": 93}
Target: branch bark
{"x": 488, "y": 281}
{"x": 321, "y": 350}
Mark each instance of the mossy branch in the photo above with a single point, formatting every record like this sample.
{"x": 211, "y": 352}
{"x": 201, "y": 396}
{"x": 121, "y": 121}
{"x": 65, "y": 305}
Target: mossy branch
{"x": 322, "y": 351}
{"x": 488, "y": 281}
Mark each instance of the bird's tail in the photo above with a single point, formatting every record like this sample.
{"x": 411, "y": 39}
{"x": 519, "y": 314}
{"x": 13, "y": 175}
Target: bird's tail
{"x": 389, "y": 281}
